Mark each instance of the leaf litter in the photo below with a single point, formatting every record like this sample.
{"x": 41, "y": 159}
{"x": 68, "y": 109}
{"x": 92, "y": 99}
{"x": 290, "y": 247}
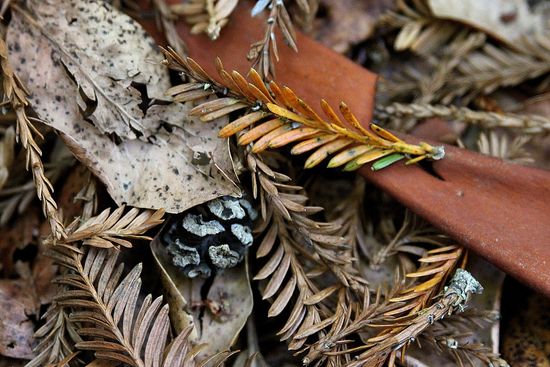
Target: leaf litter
{"x": 94, "y": 76}
{"x": 77, "y": 49}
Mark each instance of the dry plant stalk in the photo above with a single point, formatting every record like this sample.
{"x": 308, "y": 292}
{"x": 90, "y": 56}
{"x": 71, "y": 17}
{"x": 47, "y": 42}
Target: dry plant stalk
{"x": 276, "y": 117}
{"x": 454, "y": 298}
{"x": 395, "y": 313}
{"x": 384, "y": 348}
{"x": 439, "y": 265}
{"x": 108, "y": 230}
{"x": 288, "y": 234}
{"x": 527, "y": 124}
{"x": 205, "y": 16}
{"x": 469, "y": 65}
{"x": 16, "y": 95}
{"x": 264, "y": 53}
{"x": 451, "y": 335}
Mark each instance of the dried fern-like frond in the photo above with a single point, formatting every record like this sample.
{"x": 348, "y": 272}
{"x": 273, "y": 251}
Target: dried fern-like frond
{"x": 116, "y": 328}
{"x": 58, "y": 336}
{"x": 16, "y": 94}
{"x": 264, "y": 53}
{"x": 401, "y": 315}
{"x": 383, "y": 348}
{"x": 413, "y": 233}
{"x": 501, "y": 146}
{"x": 420, "y": 31}
{"x": 452, "y": 336}
{"x": 437, "y": 266}
{"x": 526, "y": 124}
{"x": 276, "y": 117}
{"x": 110, "y": 229}
{"x": 105, "y": 304}
{"x": 350, "y": 318}
{"x": 288, "y": 236}
{"x": 206, "y": 16}
{"x": 492, "y": 67}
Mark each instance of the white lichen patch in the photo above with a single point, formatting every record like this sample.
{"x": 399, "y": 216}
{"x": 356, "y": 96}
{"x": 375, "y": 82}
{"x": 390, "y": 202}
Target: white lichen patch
{"x": 464, "y": 285}
{"x": 223, "y": 257}
{"x": 196, "y": 225}
{"x": 183, "y": 255}
{"x": 252, "y": 213}
{"x": 242, "y": 233}
{"x": 226, "y": 209}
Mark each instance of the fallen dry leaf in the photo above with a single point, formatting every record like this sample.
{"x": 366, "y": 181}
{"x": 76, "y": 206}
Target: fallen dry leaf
{"x": 506, "y": 20}
{"x": 36, "y": 270}
{"x": 347, "y": 22}
{"x": 7, "y": 153}
{"x": 219, "y": 318}
{"x": 16, "y": 329}
{"x": 105, "y": 53}
{"x": 19, "y": 236}
{"x": 172, "y": 170}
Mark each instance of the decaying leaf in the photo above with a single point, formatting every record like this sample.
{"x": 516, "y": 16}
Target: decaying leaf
{"x": 506, "y": 20}
{"x": 17, "y": 237}
{"x": 105, "y": 53}
{"x": 347, "y": 22}
{"x": 16, "y": 329}
{"x": 219, "y": 318}
{"x": 173, "y": 170}
{"x": 6, "y": 155}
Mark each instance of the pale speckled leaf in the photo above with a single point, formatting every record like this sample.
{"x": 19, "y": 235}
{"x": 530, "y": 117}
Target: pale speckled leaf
{"x": 180, "y": 308}
{"x": 174, "y": 171}
{"x": 106, "y": 53}
{"x": 230, "y": 290}
{"x": 506, "y": 20}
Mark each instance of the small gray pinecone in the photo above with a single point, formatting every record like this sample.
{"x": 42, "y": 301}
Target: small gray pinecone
{"x": 211, "y": 237}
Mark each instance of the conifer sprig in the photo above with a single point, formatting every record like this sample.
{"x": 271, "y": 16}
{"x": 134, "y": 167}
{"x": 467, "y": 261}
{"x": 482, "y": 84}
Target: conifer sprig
{"x": 275, "y": 116}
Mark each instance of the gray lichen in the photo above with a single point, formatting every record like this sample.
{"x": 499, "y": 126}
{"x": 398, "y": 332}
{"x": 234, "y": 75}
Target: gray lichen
{"x": 226, "y": 209}
{"x": 464, "y": 285}
{"x": 212, "y": 237}
{"x": 196, "y": 225}
{"x": 223, "y": 257}
{"x": 242, "y": 233}
{"x": 183, "y": 255}
{"x": 252, "y": 213}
